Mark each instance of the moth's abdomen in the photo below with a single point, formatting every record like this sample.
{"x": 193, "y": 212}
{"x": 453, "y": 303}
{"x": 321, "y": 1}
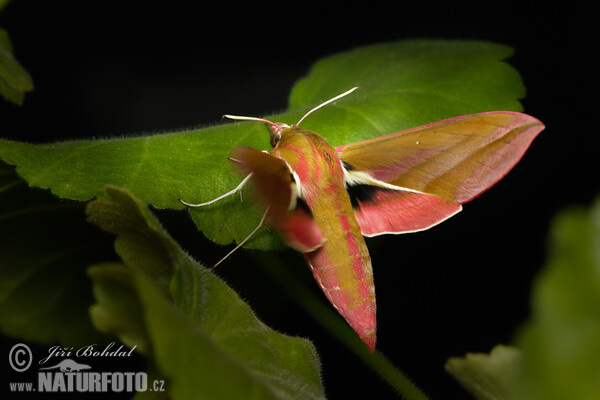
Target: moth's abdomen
{"x": 342, "y": 268}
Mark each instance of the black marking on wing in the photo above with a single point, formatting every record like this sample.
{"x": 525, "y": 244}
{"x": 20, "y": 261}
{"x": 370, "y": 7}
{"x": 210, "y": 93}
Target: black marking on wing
{"x": 301, "y": 203}
{"x": 347, "y": 166}
{"x": 363, "y": 193}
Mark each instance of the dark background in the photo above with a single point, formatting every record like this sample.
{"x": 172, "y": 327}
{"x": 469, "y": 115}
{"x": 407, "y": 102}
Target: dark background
{"x": 111, "y": 69}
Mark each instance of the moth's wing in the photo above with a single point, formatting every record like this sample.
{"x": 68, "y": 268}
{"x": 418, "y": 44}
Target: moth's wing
{"x": 423, "y": 174}
{"x": 380, "y": 210}
{"x": 274, "y": 183}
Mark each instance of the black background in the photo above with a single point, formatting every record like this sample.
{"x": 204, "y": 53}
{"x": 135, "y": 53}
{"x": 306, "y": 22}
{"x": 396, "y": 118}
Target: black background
{"x": 108, "y": 69}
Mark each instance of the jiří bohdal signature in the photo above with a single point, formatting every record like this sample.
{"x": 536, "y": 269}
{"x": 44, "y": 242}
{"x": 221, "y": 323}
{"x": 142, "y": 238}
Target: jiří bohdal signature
{"x": 91, "y": 350}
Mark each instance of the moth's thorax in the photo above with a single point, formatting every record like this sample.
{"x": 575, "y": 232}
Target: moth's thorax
{"x": 292, "y": 135}
{"x": 310, "y": 156}
{"x": 318, "y": 166}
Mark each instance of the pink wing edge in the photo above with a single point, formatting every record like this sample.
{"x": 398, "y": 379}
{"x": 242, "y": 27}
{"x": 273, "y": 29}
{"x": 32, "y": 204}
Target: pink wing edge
{"x": 400, "y": 211}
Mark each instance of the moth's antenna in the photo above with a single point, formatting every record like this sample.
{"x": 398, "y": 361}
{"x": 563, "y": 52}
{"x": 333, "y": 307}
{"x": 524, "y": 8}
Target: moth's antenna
{"x": 241, "y": 118}
{"x": 327, "y": 102}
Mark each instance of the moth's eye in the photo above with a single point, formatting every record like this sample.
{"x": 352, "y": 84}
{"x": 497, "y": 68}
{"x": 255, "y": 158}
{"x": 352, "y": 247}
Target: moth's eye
{"x": 275, "y": 136}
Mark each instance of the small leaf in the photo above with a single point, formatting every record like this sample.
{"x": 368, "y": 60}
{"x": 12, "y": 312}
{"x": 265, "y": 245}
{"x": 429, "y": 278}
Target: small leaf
{"x": 487, "y": 376}
{"x": 46, "y": 246}
{"x": 203, "y": 337}
{"x": 15, "y": 81}
{"x": 558, "y": 347}
{"x": 118, "y": 310}
{"x": 560, "y": 344}
{"x": 403, "y": 84}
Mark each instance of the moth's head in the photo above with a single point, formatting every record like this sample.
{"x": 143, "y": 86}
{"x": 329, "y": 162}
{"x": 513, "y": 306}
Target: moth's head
{"x": 276, "y": 128}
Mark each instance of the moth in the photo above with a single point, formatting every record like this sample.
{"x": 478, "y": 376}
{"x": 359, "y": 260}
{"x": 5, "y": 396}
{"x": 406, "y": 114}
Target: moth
{"x": 323, "y": 200}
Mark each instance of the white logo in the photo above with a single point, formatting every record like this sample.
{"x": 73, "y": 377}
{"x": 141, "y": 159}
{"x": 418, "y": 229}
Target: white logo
{"x": 69, "y": 375}
{"x": 68, "y": 365}
{"x": 20, "y": 357}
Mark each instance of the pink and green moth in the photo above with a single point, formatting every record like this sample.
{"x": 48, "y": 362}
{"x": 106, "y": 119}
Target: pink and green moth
{"x": 324, "y": 199}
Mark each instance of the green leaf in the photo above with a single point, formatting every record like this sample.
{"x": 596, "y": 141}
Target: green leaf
{"x": 118, "y": 310}
{"x": 236, "y": 360}
{"x": 487, "y": 376}
{"x": 45, "y": 247}
{"x": 203, "y": 337}
{"x": 406, "y": 84}
{"x": 15, "y": 81}
{"x": 561, "y": 342}
{"x": 141, "y": 241}
{"x": 403, "y": 84}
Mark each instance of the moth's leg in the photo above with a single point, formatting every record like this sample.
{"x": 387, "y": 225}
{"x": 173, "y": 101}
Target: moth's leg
{"x": 234, "y": 191}
{"x": 243, "y": 242}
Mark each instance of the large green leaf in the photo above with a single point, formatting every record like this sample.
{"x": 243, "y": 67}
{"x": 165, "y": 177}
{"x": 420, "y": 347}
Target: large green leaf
{"x": 402, "y": 84}
{"x": 203, "y": 337}
{"x": 406, "y": 84}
